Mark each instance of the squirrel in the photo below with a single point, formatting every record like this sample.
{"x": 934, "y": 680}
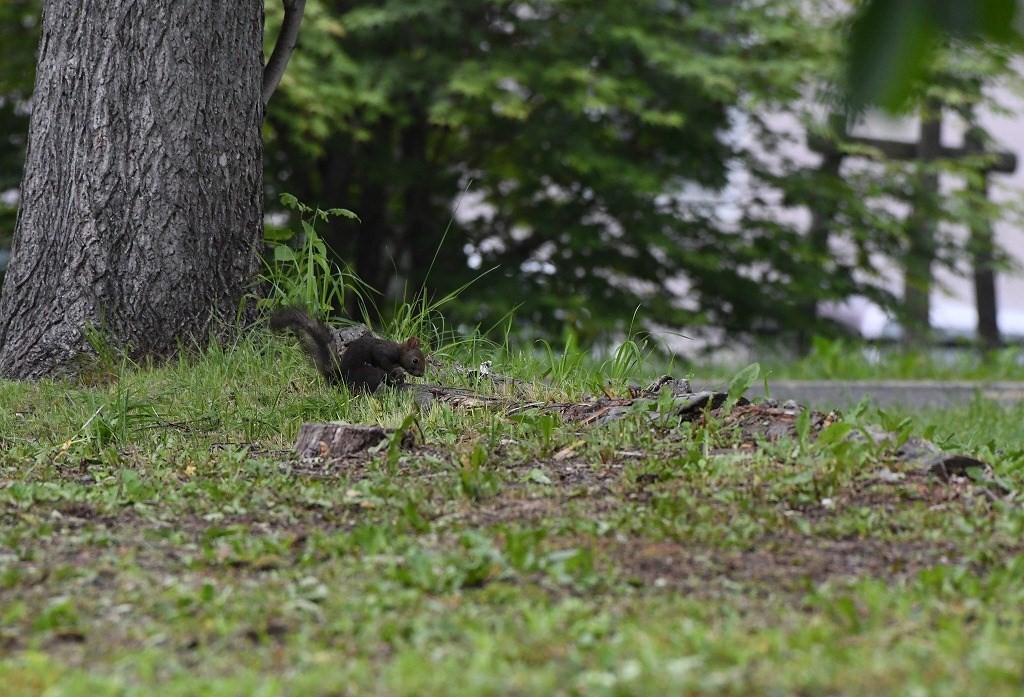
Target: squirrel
{"x": 367, "y": 362}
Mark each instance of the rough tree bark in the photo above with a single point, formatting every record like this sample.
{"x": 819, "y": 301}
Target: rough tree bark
{"x": 141, "y": 204}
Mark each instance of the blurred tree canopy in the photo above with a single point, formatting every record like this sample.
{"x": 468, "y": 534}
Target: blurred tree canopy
{"x": 594, "y": 142}
{"x": 603, "y": 157}
{"x": 577, "y": 160}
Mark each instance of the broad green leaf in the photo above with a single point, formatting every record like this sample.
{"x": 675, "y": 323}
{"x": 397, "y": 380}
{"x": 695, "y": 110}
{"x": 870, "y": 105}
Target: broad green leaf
{"x": 741, "y": 383}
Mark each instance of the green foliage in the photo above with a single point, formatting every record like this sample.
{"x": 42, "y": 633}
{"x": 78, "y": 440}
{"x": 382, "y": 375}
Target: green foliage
{"x": 586, "y": 149}
{"x": 893, "y": 44}
{"x": 394, "y": 448}
{"x": 740, "y": 383}
{"x": 297, "y": 267}
{"x": 475, "y": 480}
{"x": 572, "y": 127}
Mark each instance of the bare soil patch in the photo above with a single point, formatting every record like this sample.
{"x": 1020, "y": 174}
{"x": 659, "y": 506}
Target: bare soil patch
{"x": 786, "y": 563}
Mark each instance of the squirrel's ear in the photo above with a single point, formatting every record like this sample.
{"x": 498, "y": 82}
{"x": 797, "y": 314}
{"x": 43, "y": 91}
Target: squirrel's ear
{"x": 412, "y": 343}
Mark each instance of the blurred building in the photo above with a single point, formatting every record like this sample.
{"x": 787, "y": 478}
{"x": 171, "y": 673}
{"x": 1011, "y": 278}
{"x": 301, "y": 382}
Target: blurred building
{"x": 953, "y": 313}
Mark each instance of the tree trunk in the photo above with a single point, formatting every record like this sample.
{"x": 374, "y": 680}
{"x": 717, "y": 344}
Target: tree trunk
{"x": 982, "y": 247}
{"x": 419, "y": 221}
{"x": 922, "y": 231}
{"x": 141, "y": 205}
{"x": 823, "y": 211}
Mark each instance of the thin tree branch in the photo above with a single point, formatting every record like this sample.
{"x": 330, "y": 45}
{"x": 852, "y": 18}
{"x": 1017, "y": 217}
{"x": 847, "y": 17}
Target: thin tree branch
{"x": 283, "y": 47}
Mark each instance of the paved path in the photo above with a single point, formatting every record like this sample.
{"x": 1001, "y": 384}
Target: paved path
{"x": 825, "y": 394}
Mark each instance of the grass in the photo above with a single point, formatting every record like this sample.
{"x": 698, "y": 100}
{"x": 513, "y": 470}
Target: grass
{"x": 840, "y": 359}
{"x": 158, "y": 537}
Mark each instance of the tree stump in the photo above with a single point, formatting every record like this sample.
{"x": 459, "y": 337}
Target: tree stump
{"x": 336, "y": 440}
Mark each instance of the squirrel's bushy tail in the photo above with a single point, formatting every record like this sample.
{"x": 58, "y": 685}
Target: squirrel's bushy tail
{"x": 315, "y": 337}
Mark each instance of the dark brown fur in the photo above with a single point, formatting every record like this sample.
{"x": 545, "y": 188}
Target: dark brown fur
{"x": 366, "y": 364}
